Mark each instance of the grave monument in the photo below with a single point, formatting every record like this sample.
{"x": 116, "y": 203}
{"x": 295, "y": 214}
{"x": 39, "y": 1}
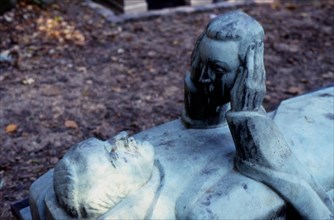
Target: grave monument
{"x": 226, "y": 158}
{"x": 139, "y": 6}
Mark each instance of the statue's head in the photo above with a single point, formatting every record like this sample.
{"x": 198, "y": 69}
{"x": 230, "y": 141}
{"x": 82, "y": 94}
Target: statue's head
{"x": 95, "y": 175}
{"x": 220, "y": 52}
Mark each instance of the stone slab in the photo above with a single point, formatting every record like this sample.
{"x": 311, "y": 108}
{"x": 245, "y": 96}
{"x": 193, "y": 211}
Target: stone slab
{"x": 311, "y": 135}
{"x": 198, "y": 2}
{"x": 114, "y": 18}
{"x": 197, "y": 176}
{"x": 26, "y": 213}
{"x": 129, "y": 6}
{"x": 21, "y": 209}
{"x": 38, "y": 190}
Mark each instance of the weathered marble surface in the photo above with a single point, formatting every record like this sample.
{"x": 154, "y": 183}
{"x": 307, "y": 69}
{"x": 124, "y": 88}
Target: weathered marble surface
{"x": 194, "y": 175}
{"x": 94, "y": 175}
{"x": 307, "y": 123}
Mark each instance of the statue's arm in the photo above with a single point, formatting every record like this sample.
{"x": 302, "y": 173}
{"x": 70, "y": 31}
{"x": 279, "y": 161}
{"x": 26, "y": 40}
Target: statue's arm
{"x": 261, "y": 150}
{"x": 247, "y": 118}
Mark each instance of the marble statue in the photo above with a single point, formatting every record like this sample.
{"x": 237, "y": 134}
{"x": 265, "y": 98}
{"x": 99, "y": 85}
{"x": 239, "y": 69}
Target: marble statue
{"x": 227, "y": 66}
{"x": 96, "y": 175}
{"x": 225, "y": 159}
{"x": 218, "y": 57}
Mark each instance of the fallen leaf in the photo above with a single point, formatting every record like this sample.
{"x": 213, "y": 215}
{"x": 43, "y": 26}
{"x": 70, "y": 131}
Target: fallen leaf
{"x": 28, "y": 81}
{"x": 293, "y": 90}
{"x": 116, "y": 89}
{"x": 303, "y": 80}
{"x": 175, "y": 42}
{"x": 120, "y": 50}
{"x": 291, "y": 6}
{"x": 269, "y": 83}
{"x": 50, "y": 90}
{"x": 82, "y": 69}
{"x": 329, "y": 75}
{"x": 151, "y": 53}
{"x": 267, "y": 98}
{"x": 54, "y": 160}
{"x": 71, "y": 124}
{"x": 275, "y": 5}
{"x": 11, "y": 128}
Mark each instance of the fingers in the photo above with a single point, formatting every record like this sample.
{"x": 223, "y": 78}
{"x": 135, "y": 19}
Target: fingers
{"x": 237, "y": 91}
{"x": 240, "y": 79}
{"x": 260, "y": 71}
{"x": 249, "y": 88}
{"x": 258, "y": 62}
{"x": 250, "y": 61}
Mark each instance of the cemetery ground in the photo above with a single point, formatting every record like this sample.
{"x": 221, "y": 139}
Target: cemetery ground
{"x": 72, "y": 75}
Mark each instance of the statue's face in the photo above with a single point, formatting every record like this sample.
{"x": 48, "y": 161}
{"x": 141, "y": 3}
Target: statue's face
{"x": 219, "y": 66}
{"x": 97, "y": 174}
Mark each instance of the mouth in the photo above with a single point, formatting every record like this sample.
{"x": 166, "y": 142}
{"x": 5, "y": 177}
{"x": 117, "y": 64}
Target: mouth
{"x": 207, "y": 85}
{"x": 205, "y": 81}
{"x": 208, "y": 88}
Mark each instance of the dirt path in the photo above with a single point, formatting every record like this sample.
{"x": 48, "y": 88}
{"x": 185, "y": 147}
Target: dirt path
{"x": 74, "y": 76}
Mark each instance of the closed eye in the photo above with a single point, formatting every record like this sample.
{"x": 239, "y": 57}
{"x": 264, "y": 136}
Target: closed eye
{"x": 219, "y": 67}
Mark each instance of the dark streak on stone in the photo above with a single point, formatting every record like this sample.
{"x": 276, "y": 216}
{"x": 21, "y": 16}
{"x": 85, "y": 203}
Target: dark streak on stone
{"x": 326, "y": 95}
{"x": 330, "y": 116}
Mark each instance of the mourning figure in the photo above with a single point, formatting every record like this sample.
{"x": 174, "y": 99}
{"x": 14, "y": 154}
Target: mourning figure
{"x": 216, "y": 60}
{"x": 227, "y": 66}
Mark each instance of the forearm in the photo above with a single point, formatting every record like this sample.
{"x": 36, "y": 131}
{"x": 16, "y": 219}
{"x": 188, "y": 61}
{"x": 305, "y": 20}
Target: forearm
{"x": 256, "y": 137}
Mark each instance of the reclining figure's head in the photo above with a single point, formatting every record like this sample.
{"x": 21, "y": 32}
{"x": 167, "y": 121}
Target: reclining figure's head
{"x": 95, "y": 175}
{"x": 221, "y": 49}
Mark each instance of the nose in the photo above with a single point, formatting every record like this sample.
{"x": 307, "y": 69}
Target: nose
{"x": 205, "y": 75}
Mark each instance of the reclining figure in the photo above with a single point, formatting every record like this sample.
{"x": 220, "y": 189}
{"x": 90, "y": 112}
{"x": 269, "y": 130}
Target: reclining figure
{"x": 94, "y": 176}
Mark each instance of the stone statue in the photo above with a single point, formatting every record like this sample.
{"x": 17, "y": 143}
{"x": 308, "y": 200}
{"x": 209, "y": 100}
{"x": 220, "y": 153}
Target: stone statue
{"x": 227, "y": 66}
{"x": 261, "y": 150}
{"x": 190, "y": 173}
{"x": 96, "y": 175}
{"x": 217, "y": 58}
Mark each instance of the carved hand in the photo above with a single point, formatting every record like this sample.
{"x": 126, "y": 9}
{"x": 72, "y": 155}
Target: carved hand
{"x": 249, "y": 88}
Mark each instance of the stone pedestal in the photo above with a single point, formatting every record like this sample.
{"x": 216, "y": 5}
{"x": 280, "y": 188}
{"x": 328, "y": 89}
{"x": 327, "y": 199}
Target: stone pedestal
{"x": 137, "y": 6}
{"x": 129, "y": 6}
{"x": 194, "y": 175}
{"x": 198, "y": 2}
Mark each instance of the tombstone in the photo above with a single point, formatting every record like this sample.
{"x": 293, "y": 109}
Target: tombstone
{"x": 129, "y": 6}
{"x": 226, "y": 158}
{"x": 138, "y": 6}
{"x": 198, "y": 2}
{"x": 160, "y": 4}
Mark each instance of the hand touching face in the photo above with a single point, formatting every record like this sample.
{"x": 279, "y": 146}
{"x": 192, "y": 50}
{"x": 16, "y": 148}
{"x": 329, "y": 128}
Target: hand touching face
{"x": 249, "y": 88}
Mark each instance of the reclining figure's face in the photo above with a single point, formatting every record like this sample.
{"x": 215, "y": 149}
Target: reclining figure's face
{"x": 219, "y": 64}
{"x": 95, "y": 175}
